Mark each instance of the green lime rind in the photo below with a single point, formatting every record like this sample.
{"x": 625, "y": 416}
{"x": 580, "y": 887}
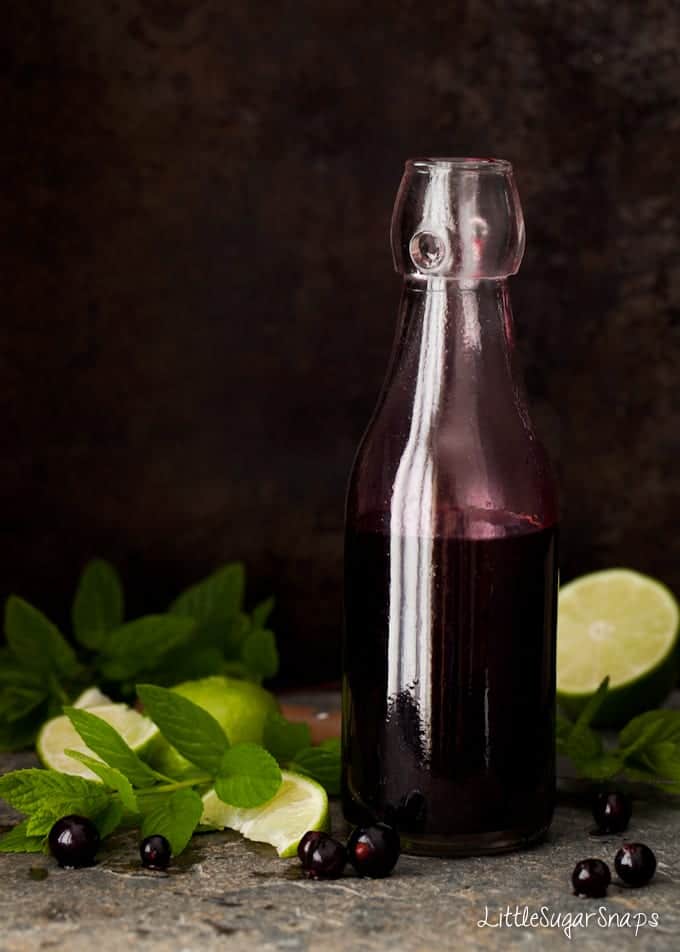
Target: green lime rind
{"x": 621, "y": 624}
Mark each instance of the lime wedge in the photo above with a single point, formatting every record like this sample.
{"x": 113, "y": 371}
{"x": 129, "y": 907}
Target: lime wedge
{"x": 621, "y": 624}
{"x": 300, "y": 805}
{"x": 59, "y": 735}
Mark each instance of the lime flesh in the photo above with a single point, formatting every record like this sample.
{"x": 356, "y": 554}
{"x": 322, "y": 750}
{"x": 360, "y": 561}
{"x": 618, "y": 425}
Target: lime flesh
{"x": 621, "y": 624}
{"x": 300, "y": 805}
{"x": 59, "y": 735}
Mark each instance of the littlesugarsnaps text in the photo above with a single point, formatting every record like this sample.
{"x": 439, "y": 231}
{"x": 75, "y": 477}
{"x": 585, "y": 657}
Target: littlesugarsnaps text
{"x": 543, "y": 917}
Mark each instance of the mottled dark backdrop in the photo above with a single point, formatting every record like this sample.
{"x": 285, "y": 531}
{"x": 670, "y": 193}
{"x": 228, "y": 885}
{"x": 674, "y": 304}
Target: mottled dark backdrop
{"x": 198, "y": 299}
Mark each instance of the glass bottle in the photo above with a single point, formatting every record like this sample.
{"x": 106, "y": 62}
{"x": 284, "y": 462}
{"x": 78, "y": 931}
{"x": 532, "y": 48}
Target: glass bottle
{"x": 451, "y": 542}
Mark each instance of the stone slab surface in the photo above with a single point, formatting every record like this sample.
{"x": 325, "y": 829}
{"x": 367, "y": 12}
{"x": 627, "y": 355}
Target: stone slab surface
{"x": 236, "y": 896}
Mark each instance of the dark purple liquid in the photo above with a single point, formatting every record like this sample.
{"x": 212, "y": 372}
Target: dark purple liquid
{"x": 449, "y": 684}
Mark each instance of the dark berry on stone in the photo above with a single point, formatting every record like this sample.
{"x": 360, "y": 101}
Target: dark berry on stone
{"x": 74, "y": 841}
{"x": 155, "y": 852}
{"x": 374, "y": 850}
{"x": 612, "y": 811}
{"x": 590, "y": 878}
{"x": 325, "y": 859}
{"x": 307, "y": 844}
{"x": 635, "y": 864}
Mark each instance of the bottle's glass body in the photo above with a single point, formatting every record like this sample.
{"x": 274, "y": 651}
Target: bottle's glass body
{"x": 451, "y": 543}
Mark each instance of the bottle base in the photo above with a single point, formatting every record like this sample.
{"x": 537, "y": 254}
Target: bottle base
{"x": 470, "y": 844}
{"x": 454, "y": 844}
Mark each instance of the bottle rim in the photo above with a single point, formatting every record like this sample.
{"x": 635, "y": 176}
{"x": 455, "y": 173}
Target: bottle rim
{"x": 460, "y": 163}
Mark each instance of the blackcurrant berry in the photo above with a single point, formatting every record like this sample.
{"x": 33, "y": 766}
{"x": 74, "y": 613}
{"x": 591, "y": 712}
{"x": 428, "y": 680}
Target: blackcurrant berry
{"x": 635, "y": 864}
{"x": 155, "y": 852}
{"x": 612, "y": 811}
{"x": 374, "y": 850}
{"x": 591, "y": 877}
{"x": 325, "y": 859}
{"x": 74, "y": 841}
{"x": 307, "y": 844}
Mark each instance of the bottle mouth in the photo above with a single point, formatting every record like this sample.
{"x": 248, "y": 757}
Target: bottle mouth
{"x": 460, "y": 163}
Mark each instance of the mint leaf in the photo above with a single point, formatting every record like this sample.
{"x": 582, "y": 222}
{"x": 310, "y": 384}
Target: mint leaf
{"x": 583, "y": 744}
{"x": 110, "y": 818}
{"x": 217, "y": 598}
{"x": 259, "y": 654}
{"x": 35, "y": 641}
{"x": 649, "y": 728}
{"x": 321, "y": 763}
{"x": 261, "y": 612}
{"x": 110, "y": 776}
{"x": 233, "y": 634}
{"x": 195, "y": 733}
{"x": 139, "y": 645}
{"x": 18, "y": 841}
{"x": 283, "y": 738}
{"x": 16, "y": 702}
{"x": 41, "y": 791}
{"x": 248, "y": 776}
{"x": 663, "y": 759}
{"x": 175, "y": 817}
{"x": 98, "y": 604}
{"x": 13, "y": 672}
{"x": 593, "y": 704}
{"x": 107, "y": 743}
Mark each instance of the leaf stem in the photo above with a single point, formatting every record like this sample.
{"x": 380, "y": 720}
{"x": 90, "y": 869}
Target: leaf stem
{"x": 176, "y": 785}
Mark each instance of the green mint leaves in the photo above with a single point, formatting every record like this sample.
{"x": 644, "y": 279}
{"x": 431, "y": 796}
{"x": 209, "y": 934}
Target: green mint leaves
{"x": 195, "y": 733}
{"x": 248, "y": 776}
{"x": 35, "y": 642}
{"x": 291, "y": 744}
{"x": 107, "y": 743}
{"x": 321, "y": 763}
{"x": 98, "y": 604}
{"x": 205, "y": 631}
{"x": 244, "y": 775}
{"x": 648, "y": 747}
{"x": 175, "y": 817}
{"x": 284, "y": 738}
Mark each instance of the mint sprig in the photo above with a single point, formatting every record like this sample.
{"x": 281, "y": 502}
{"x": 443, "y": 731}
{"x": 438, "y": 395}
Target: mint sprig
{"x": 647, "y": 748}
{"x": 244, "y": 775}
{"x": 205, "y": 630}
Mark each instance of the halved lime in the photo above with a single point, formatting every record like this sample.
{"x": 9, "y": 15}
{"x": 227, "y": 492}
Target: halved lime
{"x": 621, "y": 624}
{"x": 300, "y": 805}
{"x": 59, "y": 735}
{"x": 92, "y": 697}
{"x": 240, "y": 707}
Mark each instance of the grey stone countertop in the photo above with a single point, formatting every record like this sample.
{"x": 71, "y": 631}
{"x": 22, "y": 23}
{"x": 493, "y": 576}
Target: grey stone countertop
{"x": 229, "y": 894}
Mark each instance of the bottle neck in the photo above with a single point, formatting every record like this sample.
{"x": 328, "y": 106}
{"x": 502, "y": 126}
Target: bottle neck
{"x": 464, "y": 333}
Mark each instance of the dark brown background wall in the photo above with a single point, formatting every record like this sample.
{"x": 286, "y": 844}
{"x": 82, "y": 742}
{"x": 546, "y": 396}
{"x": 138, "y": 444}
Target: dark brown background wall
{"x": 198, "y": 299}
